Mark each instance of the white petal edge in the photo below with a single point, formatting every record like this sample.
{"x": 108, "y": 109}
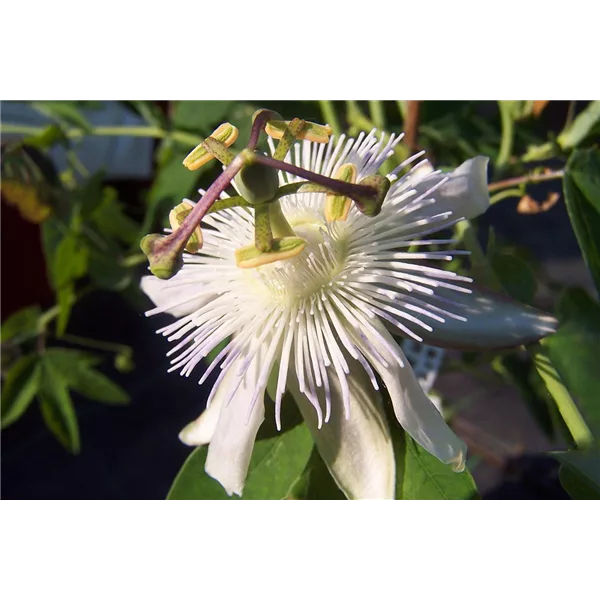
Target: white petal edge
{"x": 230, "y": 448}
{"x": 414, "y": 410}
{"x": 465, "y": 193}
{"x": 180, "y": 299}
{"x": 357, "y": 451}
{"x": 493, "y": 320}
{"x": 201, "y": 431}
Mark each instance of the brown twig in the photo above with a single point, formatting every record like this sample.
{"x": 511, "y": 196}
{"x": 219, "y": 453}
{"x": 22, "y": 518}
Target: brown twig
{"x": 411, "y": 125}
{"x": 530, "y": 178}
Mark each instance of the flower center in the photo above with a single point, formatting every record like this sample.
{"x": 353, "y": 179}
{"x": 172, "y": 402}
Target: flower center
{"x": 307, "y": 274}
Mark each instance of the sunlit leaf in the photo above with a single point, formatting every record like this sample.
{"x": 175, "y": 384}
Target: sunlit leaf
{"x": 584, "y": 124}
{"x": 582, "y": 195}
{"x": 276, "y": 464}
{"x": 575, "y": 350}
{"x": 421, "y": 476}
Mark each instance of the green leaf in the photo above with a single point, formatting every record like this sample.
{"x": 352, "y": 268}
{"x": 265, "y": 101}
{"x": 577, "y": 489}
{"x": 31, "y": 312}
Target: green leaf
{"x": 586, "y": 122}
{"x": 581, "y": 186}
{"x": 275, "y": 467}
{"x": 64, "y": 112}
{"x": 66, "y": 299}
{"x": 76, "y": 370}
{"x": 574, "y": 350}
{"x": 107, "y": 272}
{"x": 57, "y": 407}
{"x": 173, "y": 182}
{"x": 569, "y": 412}
{"x": 515, "y": 275}
{"x": 19, "y": 388}
{"x": 580, "y": 473}
{"x": 51, "y": 135}
{"x": 150, "y": 112}
{"x": 201, "y": 115}
{"x": 21, "y": 325}
{"x": 70, "y": 261}
{"x": 520, "y": 373}
{"x": 111, "y": 220}
{"x": 316, "y": 482}
{"x": 89, "y": 194}
{"x": 421, "y": 476}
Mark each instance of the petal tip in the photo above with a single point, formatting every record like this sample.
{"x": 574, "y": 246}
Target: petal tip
{"x": 459, "y": 463}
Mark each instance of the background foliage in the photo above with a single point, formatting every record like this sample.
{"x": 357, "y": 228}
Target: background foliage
{"x": 90, "y": 230}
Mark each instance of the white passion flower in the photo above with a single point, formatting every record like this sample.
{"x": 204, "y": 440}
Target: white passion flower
{"x": 322, "y": 324}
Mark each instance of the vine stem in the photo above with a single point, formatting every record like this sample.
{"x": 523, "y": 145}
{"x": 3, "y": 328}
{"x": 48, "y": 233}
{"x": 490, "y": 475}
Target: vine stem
{"x": 524, "y": 179}
{"x": 132, "y": 131}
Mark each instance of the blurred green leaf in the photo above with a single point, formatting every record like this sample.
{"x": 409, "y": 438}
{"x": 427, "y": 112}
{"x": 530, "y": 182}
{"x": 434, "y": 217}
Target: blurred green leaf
{"x": 172, "y": 184}
{"x": 275, "y": 466}
{"x": 89, "y": 194}
{"x": 574, "y": 350}
{"x": 520, "y": 373}
{"x": 581, "y": 186}
{"x": 66, "y": 299}
{"x": 110, "y": 218}
{"x": 150, "y": 112}
{"x": 585, "y": 124}
{"x": 19, "y": 388}
{"x": 21, "y": 325}
{"x": 515, "y": 275}
{"x": 75, "y": 369}
{"x": 52, "y": 233}
{"x": 201, "y": 115}
{"x": 51, "y": 135}
{"x": 66, "y": 112}
{"x": 107, "y": 272}
{"x": 421, "y": 476}
{"x": 580, "y": 473}
{"x": 70, "y": 261}
{"x": 216, "y": 350}
{"x": 57, "y": 407}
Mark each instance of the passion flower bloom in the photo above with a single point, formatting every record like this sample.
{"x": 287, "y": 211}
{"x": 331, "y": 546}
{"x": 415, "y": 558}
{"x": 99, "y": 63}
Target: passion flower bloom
{"x": 323, "y": 324}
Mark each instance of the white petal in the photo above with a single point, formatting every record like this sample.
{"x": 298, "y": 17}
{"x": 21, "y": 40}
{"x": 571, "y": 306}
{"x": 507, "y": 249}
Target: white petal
{"x": 414, "y": 410}
{"x": 465, "y": 193}
{"x": 357, "y": 451}
{"x": 232, "y": 443}
{"x": 178, "y": 299}
{"x": 492, "y": 321}
{"x": 201, "y": 431}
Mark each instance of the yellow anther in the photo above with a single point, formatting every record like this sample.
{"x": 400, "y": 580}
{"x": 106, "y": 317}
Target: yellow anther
{"x": 313, "y": 132}
{"x": 250, "y": 257}
{"x": 225, "y": 133}
{"x": 176, "y": 217}
{"x": 338, "y": 207}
